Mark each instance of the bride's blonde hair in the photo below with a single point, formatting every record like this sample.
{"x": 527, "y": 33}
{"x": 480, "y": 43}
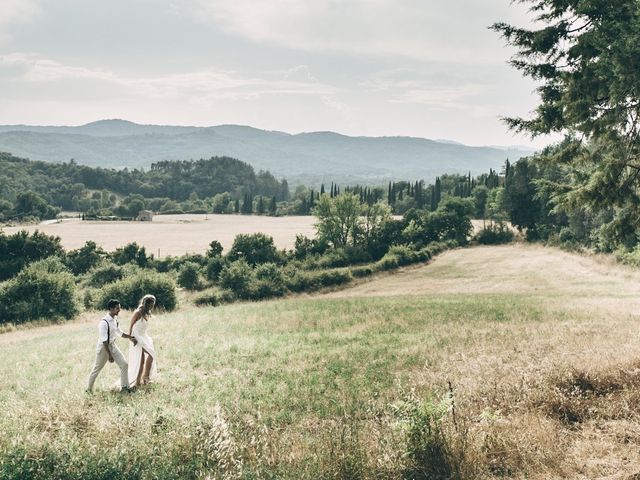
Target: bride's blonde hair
{"x": 145, "y": 304}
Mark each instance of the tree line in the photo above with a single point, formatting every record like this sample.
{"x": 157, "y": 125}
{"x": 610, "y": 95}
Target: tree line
{"x": 42, "y": 189}
{"x": 585, "y": 190}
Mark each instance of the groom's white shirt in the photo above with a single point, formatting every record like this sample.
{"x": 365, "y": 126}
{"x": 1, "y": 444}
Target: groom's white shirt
{"x": 108, "y": 330}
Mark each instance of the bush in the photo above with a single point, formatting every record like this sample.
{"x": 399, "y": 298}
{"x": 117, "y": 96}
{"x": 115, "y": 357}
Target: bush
{"x": 215, "y": 298}
{"x": 43, "y": 290}
{"x": 388, "y": 262}
{"x": 269, "y": 282}
{"x": 163, "y": 265}
{"x": 363, "y": 271}
{"x": 305, "y": 281}
{"x": 213, "y": 268}
{"x": 196, "y": 258}
{"x": 430, "y": 451}
{"x": 404, "y": 254}
{"x": 189, "y": 276}
{"x": 305, "y": 246}
{"x": 494, "y": 234}
{"x": 82, "y": 260}
{"x": 255, "y": 248}
{"x": 237, "y": 277}
{"x": 215, "y": 249}
{"x": 132, "y": 288}
{"x": 342, "y": 257}
{"x": 330, "y": 278}
{"x": 21, "y": 249}
{"x": 629, "y": 257}
{"x": 104, "y": 273}
{"x": 131, "y": 253}
{"x": 89, "y": 297}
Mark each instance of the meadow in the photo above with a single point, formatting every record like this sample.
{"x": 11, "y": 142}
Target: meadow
{"x": 174, "y": 234}
{"x": 489, "y": 362}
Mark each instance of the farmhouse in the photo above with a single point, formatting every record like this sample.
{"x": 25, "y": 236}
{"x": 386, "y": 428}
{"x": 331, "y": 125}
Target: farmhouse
{"x": 145, "y": 216}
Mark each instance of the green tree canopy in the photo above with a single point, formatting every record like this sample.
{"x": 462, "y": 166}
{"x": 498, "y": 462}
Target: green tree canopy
{"x": 586, "y": 56}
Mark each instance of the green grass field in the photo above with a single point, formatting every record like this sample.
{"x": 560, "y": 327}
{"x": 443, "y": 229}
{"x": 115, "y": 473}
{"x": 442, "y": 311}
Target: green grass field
{"x": 497, "y": 362}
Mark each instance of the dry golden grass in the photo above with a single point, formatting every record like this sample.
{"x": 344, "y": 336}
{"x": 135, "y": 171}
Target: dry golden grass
{"x": 175, "y": 234}
{"x": 540, "y": 347}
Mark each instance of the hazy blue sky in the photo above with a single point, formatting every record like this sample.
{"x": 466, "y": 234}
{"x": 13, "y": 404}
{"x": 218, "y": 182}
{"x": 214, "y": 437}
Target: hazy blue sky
{"x": 359, "y": 67}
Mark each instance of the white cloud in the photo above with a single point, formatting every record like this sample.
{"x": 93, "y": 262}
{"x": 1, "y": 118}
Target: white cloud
{"x": 14, "y": 12}
{"x": 434, "y": 88}
{"x": 439, "y": 30}
{"x": 18, "y": 11}
{"x": 201, "y": 85}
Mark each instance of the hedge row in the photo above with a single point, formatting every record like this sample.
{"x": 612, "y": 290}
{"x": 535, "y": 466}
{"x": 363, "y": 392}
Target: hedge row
{"x": 239, "y": 281}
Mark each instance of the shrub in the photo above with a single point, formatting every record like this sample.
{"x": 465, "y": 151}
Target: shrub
{"x": 255, "y": 248}
{"x": 21, "y": 249}
{"x": 629, "y": 257}
{"x": 305, "y": 246}
{"x": 44, "y": 289}
{"x": 83, "y": 259}
{"x": 89, "y": 298}
{"x": 106, "y": 272}
{"x": 269, "y": 272}
{"x": 404, "y": 254}
{"x": 196, "y": 258}
{"x": 215, "y": 298}
{"x": 163, "y": 265}
{"x": 342, "y": 257}
{"x": 305, "y": 281}
{"x": 189, "y": 276}
{"x": 435, "y": 248}
{"x": 429, "y": 449}
{"x": 363, "y": 271}
{"x": 302, "y": 281}
{"x": 269, "y": 282}
{"x": 494, "y": 234}
{"x": 330, "y": 278}
{"x": 263, "y": 289}
{"x": 215, "y": 249}
{"x": 213, "y": 268}
{"x": 131, "y": 253}
{"x": 131, "y": 289}
{"x": 237, "y": 277}
{"x": 388, "y": 262}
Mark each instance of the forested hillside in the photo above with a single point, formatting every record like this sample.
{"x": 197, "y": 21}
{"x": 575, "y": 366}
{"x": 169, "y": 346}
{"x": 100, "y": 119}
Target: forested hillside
{"x": 305, "y": 158}
{"x": 77, "y": 187}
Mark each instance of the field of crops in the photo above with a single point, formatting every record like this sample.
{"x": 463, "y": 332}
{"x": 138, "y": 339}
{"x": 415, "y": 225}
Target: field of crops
{"x": 175, "y": 234}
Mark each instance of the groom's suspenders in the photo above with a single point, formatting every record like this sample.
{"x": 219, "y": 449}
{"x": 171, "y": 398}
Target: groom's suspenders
{"x": 108, "y": 337}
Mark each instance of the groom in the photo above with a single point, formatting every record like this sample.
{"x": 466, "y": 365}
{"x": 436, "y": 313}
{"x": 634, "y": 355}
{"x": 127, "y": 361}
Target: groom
{"x": 108, "y": 350}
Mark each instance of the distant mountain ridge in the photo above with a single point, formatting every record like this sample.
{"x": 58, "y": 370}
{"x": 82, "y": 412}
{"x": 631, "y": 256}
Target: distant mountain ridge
{"x": 301, "y": 158}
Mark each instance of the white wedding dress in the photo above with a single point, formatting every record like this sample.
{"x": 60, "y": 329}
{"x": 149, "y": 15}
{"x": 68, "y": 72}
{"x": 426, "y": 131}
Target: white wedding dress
{"x": 139, "y": 332}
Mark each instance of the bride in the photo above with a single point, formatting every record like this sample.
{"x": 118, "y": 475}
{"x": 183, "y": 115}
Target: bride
{"x": 142, "y": 356}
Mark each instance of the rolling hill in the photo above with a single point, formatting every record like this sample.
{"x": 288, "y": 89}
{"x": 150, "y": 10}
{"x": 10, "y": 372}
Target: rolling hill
{"x": 301, "y": 158}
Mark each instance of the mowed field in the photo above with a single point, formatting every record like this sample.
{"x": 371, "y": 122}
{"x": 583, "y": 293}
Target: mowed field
{"x": 489, "y": 362}
{"x": 175, "y": 234}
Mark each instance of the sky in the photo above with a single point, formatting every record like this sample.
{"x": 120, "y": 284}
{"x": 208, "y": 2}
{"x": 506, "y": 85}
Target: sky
{"x": 423, "y": 68}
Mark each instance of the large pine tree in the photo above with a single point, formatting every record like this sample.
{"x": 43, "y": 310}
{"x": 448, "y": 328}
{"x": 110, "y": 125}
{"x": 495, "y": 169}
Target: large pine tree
{"x": 585, "y": 54}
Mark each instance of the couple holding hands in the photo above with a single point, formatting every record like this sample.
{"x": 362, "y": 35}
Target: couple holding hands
{"x": 141, "y": 367}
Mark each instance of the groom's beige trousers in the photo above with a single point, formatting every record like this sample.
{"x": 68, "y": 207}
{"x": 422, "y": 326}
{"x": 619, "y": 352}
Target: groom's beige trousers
{"x": 102, "y": 357}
